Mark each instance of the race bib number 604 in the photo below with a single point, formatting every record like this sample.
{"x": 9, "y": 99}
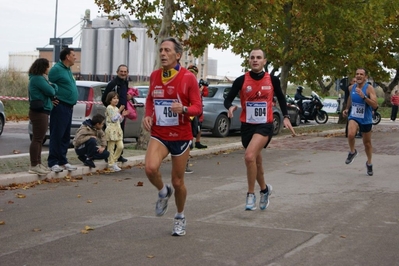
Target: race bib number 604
{"x": 256, "y": 112}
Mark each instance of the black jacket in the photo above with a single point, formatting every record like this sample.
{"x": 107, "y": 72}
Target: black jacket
{"x": 120, "y": 86}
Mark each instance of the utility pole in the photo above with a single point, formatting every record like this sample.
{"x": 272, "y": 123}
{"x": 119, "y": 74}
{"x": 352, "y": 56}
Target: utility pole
{"x": 56, "y": 42}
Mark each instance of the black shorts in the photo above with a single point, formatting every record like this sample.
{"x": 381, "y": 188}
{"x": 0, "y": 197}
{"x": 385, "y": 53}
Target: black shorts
{"x": 176, "y": 148}
{"x": 248, "y": 130}
{"x": 364, "y": 128}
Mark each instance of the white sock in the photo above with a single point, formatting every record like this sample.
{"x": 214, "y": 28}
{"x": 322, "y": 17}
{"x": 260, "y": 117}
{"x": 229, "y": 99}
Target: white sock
{"x": 163, "y": 192}
{"x": 179, "y": 215}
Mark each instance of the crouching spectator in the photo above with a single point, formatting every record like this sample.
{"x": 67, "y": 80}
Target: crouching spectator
{"x": 90, "y": 142}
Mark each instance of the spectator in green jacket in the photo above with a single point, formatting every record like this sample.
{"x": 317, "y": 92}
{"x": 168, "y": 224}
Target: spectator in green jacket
{"x": 61, "y": 115}
{"x": 41, "y": 93}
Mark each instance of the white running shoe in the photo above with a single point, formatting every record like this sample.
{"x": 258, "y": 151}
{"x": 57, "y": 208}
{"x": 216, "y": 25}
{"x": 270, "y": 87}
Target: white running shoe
{"x": 179, "y": 227}
{"x": 250, "y": 202}
{"x": 56, "y": 168}
{"x": 162, "y": 203}
{"x": 115, "y": 168}
{"x": 264, "y": 198}
{"x": 69, "y": 167}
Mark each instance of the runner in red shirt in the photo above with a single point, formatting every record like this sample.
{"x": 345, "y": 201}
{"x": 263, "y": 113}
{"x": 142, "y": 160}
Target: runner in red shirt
{"x": 172, "y": 98}
{"x": 257, "y": 89}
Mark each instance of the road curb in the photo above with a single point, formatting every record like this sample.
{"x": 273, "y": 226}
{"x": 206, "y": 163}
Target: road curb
{"x": 25, "y": 177}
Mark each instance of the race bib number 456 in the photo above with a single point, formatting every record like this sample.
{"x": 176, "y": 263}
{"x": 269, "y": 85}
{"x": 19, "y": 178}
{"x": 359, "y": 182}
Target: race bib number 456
{"x": 163, "y": 113}
{"x": 256, "y": 112}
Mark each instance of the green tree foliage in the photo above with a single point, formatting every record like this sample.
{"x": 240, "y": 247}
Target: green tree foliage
{"x": 305, "y": 39}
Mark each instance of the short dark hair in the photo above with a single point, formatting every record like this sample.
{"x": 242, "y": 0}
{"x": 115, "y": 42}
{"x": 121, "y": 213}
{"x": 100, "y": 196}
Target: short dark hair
{"x": 362, "y": 68}
{"x": 122, "y": 65}
{"x": 97, "y": 119}
{"x": 39, "y": 67}
{"x": 259, "y": 49}
{"x": 66, "y": 51}
{"x": 111, "y": 95}
{"x": 177, "y": 45}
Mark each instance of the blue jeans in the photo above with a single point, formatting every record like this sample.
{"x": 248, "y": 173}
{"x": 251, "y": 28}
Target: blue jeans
{"x": 89, "y": 150}
{"x": 60, "y": 134}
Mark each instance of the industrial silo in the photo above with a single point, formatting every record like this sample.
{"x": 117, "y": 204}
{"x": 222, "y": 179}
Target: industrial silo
{"x": 137, "y": 54}
{"x": 120, "y": 49}
{"x": 104, "y": 54}
{"x": 88, "y": 53}
{"x": 100, "y": 22}
{"x": 151, "y": 55}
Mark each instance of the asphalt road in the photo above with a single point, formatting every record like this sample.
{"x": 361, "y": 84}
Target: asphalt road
{"x": 322, "y": 212}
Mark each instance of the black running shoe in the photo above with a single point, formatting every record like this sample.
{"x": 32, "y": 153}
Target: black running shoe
{"x": 351, "y": 157}
{"x": 369, "y": 169}
{"x": 198, "y": 145}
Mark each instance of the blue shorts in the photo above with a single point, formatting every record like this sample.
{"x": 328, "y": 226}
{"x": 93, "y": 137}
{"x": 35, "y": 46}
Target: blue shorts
{"x": 176, "y": 148}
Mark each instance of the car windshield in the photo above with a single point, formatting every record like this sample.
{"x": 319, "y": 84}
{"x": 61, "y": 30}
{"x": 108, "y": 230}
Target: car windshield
{"x": 83, "y": 93}
{"x": 143, "y": 92}
{"x": 213, "y": 91}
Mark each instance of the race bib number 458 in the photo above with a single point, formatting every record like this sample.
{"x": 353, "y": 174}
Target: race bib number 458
{"x": 163, "y": 113}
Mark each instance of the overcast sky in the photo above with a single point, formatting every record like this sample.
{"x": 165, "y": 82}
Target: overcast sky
{"x": 28, "y": 24}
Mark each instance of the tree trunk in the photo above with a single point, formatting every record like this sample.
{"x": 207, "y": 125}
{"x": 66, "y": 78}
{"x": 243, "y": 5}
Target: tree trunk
{"x": 164, "y": 32}
{"x": 325, "y": 89}
{"x": 285, "y": 70}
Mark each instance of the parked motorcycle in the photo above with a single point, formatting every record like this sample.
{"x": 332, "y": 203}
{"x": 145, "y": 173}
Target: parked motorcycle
{"x": 312, "y": 109}
{"x": 376, "y": 117}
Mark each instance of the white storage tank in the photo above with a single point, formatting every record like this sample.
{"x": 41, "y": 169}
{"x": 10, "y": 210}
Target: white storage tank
{"x": 100, "y": 22}
{"x": 22, "y": 61}
{"x": 88, "y": 53}
{"x": 120, "y": 49}
{"x": 151, "y": 54}
{"x": 104, "y": 54}
{"x": 137, "y": 52}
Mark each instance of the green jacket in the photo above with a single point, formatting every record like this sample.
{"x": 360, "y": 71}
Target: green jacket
{"x": 40, "y": 89}
{"x": 62, "y": 76}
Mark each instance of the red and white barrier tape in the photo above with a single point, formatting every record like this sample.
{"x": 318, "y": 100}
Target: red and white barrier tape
{"x": 27, "y": 99}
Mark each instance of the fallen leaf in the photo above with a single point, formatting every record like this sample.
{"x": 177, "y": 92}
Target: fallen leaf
{"x": 342, "y": 236}
{"x": 16, "y": 151}
{"x": 20, "y": 196}
{"x": 87, "y": 228}
{"x": 37, "y": 230}
{"x": 10, "y": 202}
{"x": 89, "y": 201}
{"x": 84, "y": 231}
{"x": 139, "y": 184}
{"x": 2, "y": 223}
{"x": 78, "y": 196}
{"x": 150, "y": 256}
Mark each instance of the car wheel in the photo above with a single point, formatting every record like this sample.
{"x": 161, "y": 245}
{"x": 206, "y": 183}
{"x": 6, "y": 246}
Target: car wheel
{"x": 297, "y": 121}
{"x": 222, "y": 125}
{"x": 276, "y": 123}
{"x": 1, "y": 125}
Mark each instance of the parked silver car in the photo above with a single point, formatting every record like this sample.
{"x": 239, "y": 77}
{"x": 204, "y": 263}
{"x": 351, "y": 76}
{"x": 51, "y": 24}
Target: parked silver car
{"x": 215, "y": 114}
{"x": 89, "y": 104}
{"x": 2, "y": 117}
{"x": 143, "y": 91}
